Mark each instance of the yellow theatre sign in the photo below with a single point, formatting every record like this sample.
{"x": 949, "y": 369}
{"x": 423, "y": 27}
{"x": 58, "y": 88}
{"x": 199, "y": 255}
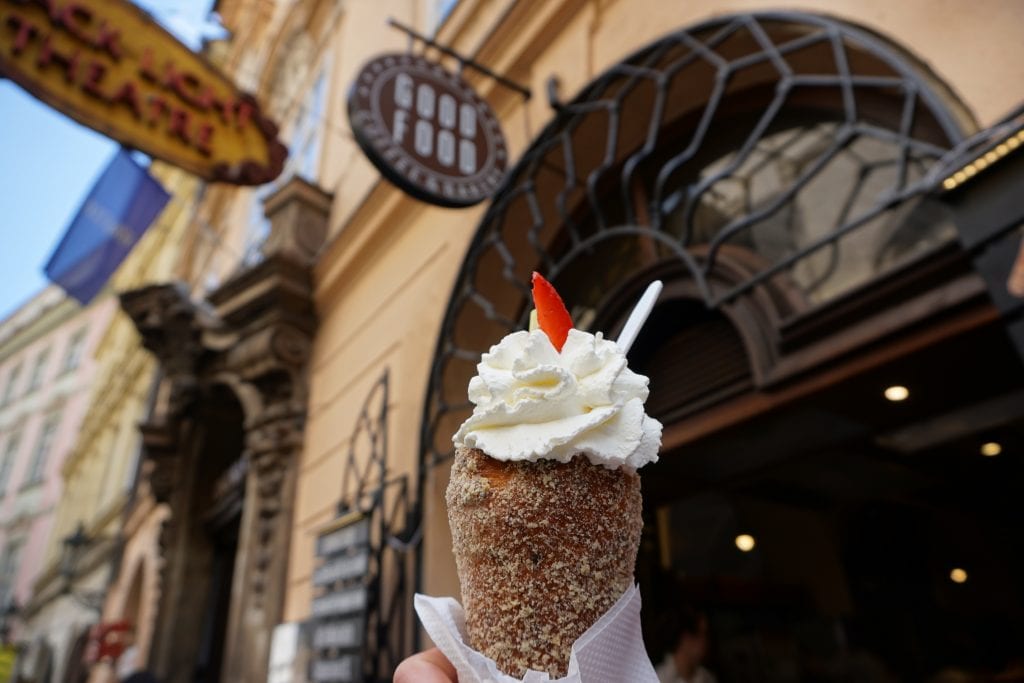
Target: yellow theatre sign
{"x": 108, "y": 65}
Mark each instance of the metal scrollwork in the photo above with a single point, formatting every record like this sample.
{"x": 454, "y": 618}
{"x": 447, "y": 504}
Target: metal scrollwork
{"x": 789, "y": 146}
{"x": 370, "y": 488}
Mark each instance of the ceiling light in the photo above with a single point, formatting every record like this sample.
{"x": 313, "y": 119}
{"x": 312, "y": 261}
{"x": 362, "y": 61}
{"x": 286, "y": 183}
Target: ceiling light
{"x": 958, "y": 575}
{"x": 897, "y": 393}
{"x": 991, "y": 448}
{"x": 745, "y": 542}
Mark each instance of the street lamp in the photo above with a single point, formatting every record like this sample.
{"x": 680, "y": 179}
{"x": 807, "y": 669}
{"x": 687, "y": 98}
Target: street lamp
{"x": 75, "y": 546}
{"x": 8, "y": 614}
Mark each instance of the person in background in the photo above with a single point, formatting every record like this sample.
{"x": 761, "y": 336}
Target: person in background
{"x": 682, "y": 664}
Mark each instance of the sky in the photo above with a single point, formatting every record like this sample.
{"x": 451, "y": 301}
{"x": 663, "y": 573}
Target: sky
{"x": 48, "y": 163}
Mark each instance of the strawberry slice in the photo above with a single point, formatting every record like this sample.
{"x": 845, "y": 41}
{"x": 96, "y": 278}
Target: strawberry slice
{"x": 552, "y": 315}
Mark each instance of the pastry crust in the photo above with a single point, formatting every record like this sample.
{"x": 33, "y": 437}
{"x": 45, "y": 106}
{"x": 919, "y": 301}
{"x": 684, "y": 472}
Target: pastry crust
{"x": 543, "y": 550}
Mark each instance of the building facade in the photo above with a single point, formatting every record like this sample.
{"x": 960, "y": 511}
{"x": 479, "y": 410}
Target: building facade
{"x": 98, "y": 472}
{"x": 47, "y": 367}
{"x": 825, "y": 196}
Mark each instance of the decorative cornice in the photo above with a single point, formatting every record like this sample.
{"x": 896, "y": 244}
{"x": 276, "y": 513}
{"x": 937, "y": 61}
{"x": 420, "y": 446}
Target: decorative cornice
{"x": 49, "y": 319}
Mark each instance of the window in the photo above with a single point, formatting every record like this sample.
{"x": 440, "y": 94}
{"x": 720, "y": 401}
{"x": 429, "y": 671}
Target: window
{"x": 73, "y": 356}
{"x": 10, "y": 559}
{"x": 304, "y": 161}
{"x": 307, "y": 139}
{"x": 38, "y": 370}
{"x": 7, "y": 459}
{"x": 443, "y": 8}
{"x": 258, "y": 228}
{"x": 42, "y": 452}
{"x": 12, "y": 384}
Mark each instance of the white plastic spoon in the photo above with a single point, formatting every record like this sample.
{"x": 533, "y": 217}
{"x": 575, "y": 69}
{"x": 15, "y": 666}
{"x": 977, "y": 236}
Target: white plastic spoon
{"x": 639, "y": 316}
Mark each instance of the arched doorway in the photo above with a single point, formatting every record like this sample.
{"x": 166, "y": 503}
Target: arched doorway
{"x": 777, "y": 170}
{"x": 218, "y": 494}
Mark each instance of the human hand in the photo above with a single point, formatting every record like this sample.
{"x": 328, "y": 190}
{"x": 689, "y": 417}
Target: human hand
{"x": 426, "y": 667}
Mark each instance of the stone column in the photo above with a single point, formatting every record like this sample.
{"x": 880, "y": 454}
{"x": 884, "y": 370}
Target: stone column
{"x": 271, "y": 307}
{"x": 274, "y": 444}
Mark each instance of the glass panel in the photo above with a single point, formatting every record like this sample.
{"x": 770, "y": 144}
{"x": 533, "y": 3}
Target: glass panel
{"x": 43, "y": 448}
{"x": 12, "y": 384}
{"x": 73, "y": 356}
{"x": 38, "y": 370}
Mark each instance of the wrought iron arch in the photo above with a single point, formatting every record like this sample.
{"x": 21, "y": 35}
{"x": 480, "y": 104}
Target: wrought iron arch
{"x": 657, "y": 160}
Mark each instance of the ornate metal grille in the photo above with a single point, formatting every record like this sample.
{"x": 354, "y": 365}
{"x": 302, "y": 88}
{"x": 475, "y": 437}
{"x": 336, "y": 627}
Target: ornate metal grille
{"x": 777, "y": 150}
{"x": 370, "y": 489}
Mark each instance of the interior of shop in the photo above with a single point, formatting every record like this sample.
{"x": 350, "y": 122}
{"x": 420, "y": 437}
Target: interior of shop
{"x": 867, "y": 532}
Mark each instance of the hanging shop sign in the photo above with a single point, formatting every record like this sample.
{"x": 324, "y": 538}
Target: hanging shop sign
{"x": 109, "y": 66}
{"x": 338, "y": 623}
{"x": 427, "y": 131}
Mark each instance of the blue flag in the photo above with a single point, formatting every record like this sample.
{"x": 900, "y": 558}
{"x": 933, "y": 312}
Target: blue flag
{"x": 113, "y": 217}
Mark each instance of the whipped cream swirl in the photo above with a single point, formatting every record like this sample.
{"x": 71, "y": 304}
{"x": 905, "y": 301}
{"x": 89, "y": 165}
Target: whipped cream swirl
{"x": 532, "y": 402}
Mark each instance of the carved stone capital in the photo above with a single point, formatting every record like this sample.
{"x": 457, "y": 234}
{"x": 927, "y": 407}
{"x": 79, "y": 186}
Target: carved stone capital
{"x": 167, "y": 322}
{"x": 275, "y": 347}
{"x": 171, "y": 327}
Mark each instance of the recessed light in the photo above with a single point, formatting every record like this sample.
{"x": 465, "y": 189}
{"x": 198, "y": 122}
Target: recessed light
{"x": 991, "y": 448}
{"x": 745, "y": 542}
{"x": 958, "y": 575}
{"x": 897, "y": 393}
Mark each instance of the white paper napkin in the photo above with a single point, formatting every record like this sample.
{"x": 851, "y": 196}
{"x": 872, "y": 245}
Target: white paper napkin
{"x": 610, "y": 651}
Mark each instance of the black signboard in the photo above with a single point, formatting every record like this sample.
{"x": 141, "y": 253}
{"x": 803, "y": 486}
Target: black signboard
{"x": 338, "y": 624}
{"x": 427, "y": 131}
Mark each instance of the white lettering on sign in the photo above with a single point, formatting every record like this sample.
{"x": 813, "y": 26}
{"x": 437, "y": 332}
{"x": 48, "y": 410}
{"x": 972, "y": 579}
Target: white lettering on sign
{"x": 403, "y": 91}
{"x": 467, "y": 121}
{"x": 425, "y": 98}
{"x": 451, "y": 116}
{"x": 334, "y": 670}
{"x": 424, "y": 138}
{"x": 341, "y": 634}
{"x": 445, "y": 147}
{"x": 342, "y": 602}
{"x": 446, "y": 111}
{"x": 107, "y": 221}
{"x": 427, "y": 132}
{"x": 398, "y": 130}
{"x": 341, "y": 569}
{"x": 467, "y": 157}
{"x": 342, "y": 539}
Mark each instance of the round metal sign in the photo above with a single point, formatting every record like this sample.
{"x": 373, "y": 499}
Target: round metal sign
{"x": 427, "y": 131}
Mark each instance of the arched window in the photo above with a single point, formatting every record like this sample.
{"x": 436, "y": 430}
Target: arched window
{"x": 795, "y": 151}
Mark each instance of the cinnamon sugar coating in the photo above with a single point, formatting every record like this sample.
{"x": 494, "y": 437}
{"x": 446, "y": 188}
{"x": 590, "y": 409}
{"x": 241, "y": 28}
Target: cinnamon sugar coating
{"x": 543, "y": 550}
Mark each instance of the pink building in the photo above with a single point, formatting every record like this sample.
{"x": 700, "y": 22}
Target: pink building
{"x": 46, "y": 366}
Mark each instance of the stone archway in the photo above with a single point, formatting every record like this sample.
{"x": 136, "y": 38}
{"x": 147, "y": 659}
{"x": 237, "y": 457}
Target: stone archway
{"x": 247, "y": 344}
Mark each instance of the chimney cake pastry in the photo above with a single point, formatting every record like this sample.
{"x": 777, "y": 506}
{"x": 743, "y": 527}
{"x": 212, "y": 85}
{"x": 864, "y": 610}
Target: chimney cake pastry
{"x": 544, "y": 500}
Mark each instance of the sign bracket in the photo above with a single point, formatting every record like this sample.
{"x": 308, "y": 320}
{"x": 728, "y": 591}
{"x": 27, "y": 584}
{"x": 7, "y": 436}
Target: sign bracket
{"x": 463, "y": 61}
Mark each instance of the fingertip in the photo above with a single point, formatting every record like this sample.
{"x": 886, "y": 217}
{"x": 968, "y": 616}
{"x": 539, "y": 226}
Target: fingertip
{"x": 426, "y": 667}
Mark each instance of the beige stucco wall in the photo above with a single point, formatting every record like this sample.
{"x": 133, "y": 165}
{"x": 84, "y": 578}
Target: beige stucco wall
{"x": 384, "y": 280}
